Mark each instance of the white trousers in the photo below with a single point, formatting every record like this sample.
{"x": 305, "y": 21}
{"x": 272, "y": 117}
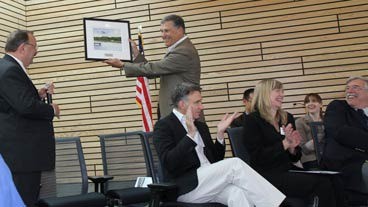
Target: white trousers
{"x": 233, "y": 183}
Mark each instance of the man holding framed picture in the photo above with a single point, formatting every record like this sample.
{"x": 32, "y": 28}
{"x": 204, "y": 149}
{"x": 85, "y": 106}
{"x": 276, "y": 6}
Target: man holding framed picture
{"x": 180, "y": 64}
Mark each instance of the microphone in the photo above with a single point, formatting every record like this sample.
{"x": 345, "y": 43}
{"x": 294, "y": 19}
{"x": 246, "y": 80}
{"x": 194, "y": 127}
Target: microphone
{"x": 298, "y": 103}
{"x": 48, "y": 95}
{"x": 49, "y": 98}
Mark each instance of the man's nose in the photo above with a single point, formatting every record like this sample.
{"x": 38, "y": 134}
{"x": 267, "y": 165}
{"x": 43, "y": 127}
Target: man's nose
{"x": 201, "y": 107}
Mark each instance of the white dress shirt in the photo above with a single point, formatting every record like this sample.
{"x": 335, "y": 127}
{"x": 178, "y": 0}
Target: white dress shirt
{"x": 176, "y": 43}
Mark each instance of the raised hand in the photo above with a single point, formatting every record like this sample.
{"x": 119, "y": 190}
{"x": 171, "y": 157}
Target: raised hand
{"x": 189, "y": 121}
{"x": 225, "y": 123}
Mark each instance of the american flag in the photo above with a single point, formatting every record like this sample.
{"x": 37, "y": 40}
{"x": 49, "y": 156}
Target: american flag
{"x": 143, "y": 97}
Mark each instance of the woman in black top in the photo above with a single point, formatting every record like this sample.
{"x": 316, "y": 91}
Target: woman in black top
{"x": 273, "y": 145}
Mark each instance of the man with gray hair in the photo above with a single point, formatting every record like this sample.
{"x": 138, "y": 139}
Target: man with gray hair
{"x": 27, "y": 141}
{"x": 180, "y": 64}
{"x": 195, "y": 163}
{"x": 346, "y": 128}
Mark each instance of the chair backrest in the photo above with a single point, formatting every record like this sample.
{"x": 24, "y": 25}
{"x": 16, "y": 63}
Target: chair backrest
{"x": 236, "y": 136}
{"x": 152, "y": 159}
{"x": 123, "y": 158}
{"x": 315, "y": 128}
{"x": 70, "y": 167}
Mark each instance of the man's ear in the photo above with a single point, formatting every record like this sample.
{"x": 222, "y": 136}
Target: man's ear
{"x": 182, "y": 105}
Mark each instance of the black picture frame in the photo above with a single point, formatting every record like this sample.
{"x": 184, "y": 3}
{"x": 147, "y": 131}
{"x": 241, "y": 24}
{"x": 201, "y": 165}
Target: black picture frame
{"x": 105, "y": 39}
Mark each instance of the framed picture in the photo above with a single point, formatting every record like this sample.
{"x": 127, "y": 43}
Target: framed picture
{"x": 104, "y": 39}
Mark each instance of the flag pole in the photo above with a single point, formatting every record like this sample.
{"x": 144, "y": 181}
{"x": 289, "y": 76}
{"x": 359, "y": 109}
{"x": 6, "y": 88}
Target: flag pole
{"x": 143, "y": 97}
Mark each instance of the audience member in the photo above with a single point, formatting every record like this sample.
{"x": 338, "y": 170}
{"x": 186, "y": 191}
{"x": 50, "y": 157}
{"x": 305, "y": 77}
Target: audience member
{"x": 180, "y": 64}
{"x": 191, "y": 159}
{"x": 247, "y": 100}
{"x": 346, "y": 128}
{"x": 273, "y": 143}
{"x": 26, "y": 132}
{"x": 313, "y": 107}
{"x": 9, "y": 195}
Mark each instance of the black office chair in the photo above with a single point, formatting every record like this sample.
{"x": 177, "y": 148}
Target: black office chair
{"x": 359, "y": 199}
{"x": 123, "y": 158}
{"x": 163, "y": 194}
{"x": 71, "y": 178}
{"x": 236, "y": 136}
{"x": 315, "y": 127}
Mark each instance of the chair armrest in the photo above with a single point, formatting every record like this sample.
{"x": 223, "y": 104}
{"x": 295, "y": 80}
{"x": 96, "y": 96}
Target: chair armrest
{"x": 162, "y": 186}
{"x": 162, "y": 192}
{"x": 100, "y": 181}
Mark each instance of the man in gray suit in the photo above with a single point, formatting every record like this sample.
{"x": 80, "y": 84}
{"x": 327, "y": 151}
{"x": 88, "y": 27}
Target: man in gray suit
{"x": 180, "y": 64}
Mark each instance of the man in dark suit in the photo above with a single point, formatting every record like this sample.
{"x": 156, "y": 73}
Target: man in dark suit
{"x": 26, "y": 132}
{"x": 346, "y": 128}
{"x": 180, "y": 64}
{"x": 195, "y": 163}
{"x": 247, "y": 101}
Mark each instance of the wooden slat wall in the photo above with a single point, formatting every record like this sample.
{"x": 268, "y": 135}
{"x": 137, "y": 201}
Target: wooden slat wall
{"x": 12, "y": 16}
{"x": 310, "y": 45}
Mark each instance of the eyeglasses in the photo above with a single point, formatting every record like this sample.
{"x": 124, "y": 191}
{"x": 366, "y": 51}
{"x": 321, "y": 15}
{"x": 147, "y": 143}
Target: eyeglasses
{"x": 354, "y": 88}
{"x": 35, "y": 46}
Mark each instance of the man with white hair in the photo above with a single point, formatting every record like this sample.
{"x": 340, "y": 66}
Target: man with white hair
{"x": 346, "y": 127}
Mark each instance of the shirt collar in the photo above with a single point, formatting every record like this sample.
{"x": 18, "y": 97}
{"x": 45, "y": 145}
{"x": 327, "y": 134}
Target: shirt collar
{"x": 176, "y": 43}
{"x": 366, "y": 111}
{"x": 178, "y": 115}
{"x": 20, "y": 63}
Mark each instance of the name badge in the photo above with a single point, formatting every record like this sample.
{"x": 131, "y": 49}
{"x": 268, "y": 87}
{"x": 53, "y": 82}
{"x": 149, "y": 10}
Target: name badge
{"x": 282, "y": 131}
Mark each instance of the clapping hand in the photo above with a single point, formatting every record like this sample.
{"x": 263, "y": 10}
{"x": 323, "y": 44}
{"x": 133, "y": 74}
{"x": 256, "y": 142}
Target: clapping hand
{"x": 292, "y": 138}
{"x": 225, "y": 123}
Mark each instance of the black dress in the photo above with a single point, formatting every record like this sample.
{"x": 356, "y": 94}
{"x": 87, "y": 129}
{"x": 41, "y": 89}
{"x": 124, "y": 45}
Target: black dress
{"x": 268, "y": 157}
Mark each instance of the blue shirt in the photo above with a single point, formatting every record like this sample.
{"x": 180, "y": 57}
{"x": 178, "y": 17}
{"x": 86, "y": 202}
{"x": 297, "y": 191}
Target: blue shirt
{"x": 9, "y": 195}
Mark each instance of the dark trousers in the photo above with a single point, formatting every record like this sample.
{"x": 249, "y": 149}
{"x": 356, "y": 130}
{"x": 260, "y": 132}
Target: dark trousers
{"x": 327, "y": 187}
{"x": 28, "y": 186}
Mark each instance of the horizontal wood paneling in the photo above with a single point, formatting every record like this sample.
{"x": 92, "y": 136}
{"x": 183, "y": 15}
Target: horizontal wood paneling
{"x": 311, "y": 46}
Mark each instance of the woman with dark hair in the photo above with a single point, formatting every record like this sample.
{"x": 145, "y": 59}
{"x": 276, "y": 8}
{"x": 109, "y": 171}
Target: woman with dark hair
{"x": 314, "y": 113}
{"x": 273, "y": 146}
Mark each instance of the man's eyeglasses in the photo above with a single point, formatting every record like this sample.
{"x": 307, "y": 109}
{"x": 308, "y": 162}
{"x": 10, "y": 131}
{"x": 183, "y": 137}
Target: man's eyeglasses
{"x": 354, "y": 88}
{"x": 35, "y": 46}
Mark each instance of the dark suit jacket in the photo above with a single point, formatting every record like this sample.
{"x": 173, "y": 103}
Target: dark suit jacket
{"x": 180, "y": 65}
{"x": 26, "y": 132}
{"x": 346, "y": 145}
{"x": 177, "y": 151}
{"x": 264, "y": 143}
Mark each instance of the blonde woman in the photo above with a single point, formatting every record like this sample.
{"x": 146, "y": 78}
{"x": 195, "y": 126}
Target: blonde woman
{"x": 273, "y": 145}
{"x": 313, "y": 107}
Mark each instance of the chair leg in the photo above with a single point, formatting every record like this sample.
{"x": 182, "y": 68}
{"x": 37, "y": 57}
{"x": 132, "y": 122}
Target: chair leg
{"x": 155, "y": 200}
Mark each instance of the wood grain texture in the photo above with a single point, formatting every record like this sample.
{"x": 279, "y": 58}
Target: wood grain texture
{"x": 311, "y": 46}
